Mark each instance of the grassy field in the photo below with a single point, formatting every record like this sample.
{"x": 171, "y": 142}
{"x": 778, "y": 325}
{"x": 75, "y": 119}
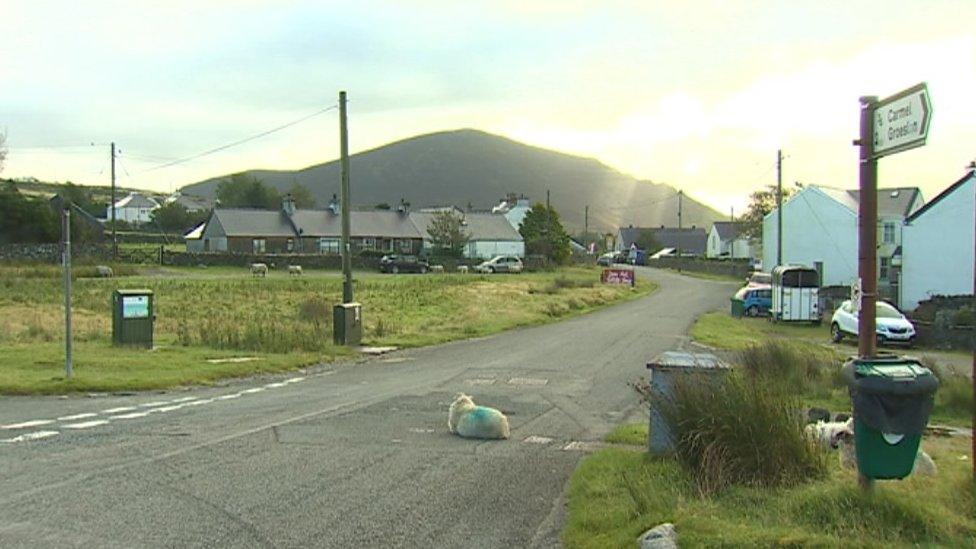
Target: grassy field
{"x": 284, "y": 322}
{"x": 618, "y": 493}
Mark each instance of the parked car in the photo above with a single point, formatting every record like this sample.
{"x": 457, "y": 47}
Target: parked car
{"x": 891, "y": 326}
{"x": 756, "y": 300}
{"x": 500, "y": 264}
{"x": 606, "y": 259}
{"x": 394, "y": 263}
{"x": 621, "y": 256}
{"x": 759, "y": 279}
{"x": 637, "y": 257}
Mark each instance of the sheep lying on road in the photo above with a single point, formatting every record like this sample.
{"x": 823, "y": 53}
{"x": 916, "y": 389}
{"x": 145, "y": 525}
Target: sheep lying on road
{"x": 259, "y": 269}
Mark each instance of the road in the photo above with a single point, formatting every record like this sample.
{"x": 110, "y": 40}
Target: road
{"x": 343, "y": 455}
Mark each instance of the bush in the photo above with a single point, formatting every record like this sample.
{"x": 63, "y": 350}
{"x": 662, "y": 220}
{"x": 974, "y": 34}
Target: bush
{"x": 739, "y": 430}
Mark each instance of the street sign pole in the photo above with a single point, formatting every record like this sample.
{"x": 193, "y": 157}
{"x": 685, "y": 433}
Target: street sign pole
{"x": 867, "y": 222}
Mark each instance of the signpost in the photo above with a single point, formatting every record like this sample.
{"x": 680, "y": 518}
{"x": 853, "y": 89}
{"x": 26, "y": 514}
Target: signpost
{"x": 618, "y": 276}
{"x": 901, "y": 122}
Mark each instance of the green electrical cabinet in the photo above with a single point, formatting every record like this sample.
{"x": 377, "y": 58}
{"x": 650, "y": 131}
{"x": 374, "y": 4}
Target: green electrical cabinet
{"x": 133, "y": 316}
{"x": 892, "y": 398}
{"x": 347, "y": 323}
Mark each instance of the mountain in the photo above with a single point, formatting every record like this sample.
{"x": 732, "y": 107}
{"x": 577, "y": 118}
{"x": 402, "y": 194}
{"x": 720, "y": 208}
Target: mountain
{"x": 465, "y": 167}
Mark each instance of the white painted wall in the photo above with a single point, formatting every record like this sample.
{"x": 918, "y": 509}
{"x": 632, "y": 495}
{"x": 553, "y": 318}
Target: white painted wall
{"x": 133, "y": 215}
{"x": 815, "y": 228}
{"x": 739, "y": 248}
{"x": 937, "y": 249}
{"x": 487, "y": 249}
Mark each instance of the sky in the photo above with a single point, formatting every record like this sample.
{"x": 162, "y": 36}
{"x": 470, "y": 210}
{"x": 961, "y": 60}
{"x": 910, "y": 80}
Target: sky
{"x": 696, "y": 94}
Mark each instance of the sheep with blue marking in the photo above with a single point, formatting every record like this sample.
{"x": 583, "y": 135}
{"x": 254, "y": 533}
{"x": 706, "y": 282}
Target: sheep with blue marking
{"x": 468, "y": 420}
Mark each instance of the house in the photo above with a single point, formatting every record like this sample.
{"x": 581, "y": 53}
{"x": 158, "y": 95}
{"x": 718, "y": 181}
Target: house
{"x": 292, "y": 230}
{"x": 726, "y": 240}
{"x": 514, "y": 209}
{"x": 938, "y": 247}
{"x": 192, "y": 203}
{"x": 690, "y": 241}
{"x": 135, "y": 208}
{"x": 820, "y": 231}
{"x": 194, "y": 239}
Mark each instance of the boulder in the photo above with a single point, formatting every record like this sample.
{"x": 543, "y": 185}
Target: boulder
{"x": 661, "y": 536}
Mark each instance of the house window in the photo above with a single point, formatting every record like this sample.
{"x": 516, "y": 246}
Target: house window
{"x": 290, "y": 245}
{"x": 329, "y": 245}
{"x": 258, "y": 245}
{"x": 369, "y": 243}
{"x": 889, "y": 233}
{"x": 885, "y": 269}
{"x": 406, "y": 245}
{"x": 389, "y": 244}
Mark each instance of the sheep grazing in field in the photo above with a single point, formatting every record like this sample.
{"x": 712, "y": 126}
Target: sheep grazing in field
{"x": 839, "y": 435}
{"x": 467, "y": 420}
{"x": 104, "y": 271}
{"x": 437, "y": 268}
{"x": 295, "y": 270}
{"x": 259, "y": 269}
{"x": 463, "y": 269}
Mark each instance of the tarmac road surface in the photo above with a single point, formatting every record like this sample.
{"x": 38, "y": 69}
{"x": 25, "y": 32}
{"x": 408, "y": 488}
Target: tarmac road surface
{"x": 344, "y": 455}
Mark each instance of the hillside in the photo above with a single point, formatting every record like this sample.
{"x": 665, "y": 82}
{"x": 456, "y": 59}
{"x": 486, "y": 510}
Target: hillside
{"x": 472, "y": 167}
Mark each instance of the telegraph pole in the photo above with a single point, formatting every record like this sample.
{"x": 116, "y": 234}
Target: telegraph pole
{"x": 66, "y": 263}
{"x": 586, "y": 222}
{"x": 867, "y": 220}
{"x": 779, "y": 207}
{"x": 115, "y": 242}
{"x": 344, "y": 201}
{"x": 681, "y": 195}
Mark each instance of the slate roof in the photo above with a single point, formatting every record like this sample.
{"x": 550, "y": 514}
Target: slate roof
{"x": 893, "y": 202}
{"x": 191, "y": 202}
{"x": 949, "y": 190}
{"x": 136, "y": 200}
{"x": 245, "y": 222}
{"x": 728, "y": 230}
{"x": 691, "y": 241}
{"x": 479, "y": 226}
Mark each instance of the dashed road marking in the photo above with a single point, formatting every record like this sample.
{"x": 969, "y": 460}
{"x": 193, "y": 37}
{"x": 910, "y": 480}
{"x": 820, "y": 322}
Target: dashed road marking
{"x": 535, "y": 439}
{"x": 252, "y": 390}
{"x": 199, "y": 402}
{"x": 294, "y": 380}
{"x": 480, "y": 381}
{"x": 133, "y": 415}
{"x": 26, "y": 424}
{"x": 77, "y": 416}
{"x": 230, "y": 396}
{"x": 184, "y": 399}
{"x": 36, "y": 435}
{"x": 276, "y": 385}
{"x": 152, "y": 404}
{"x": 118, "y": 410}
{"x": 420, "y": 430}
{"x": 86, "y": 424}
{"x": 528, "y": 381}
{"x": 170, "y": 408}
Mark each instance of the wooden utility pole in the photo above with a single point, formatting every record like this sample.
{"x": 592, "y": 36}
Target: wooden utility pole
{"x": 344, "y": 201}
{"x": 779, "y": 207}
{"x": 115, "y": 241}
{"x": 586, "y": 223}
{"x": 66, "y": 264}
{"x": 681, "y": 195}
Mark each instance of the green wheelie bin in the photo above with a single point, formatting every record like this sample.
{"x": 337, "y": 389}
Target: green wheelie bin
{"x": 892, "y": 398}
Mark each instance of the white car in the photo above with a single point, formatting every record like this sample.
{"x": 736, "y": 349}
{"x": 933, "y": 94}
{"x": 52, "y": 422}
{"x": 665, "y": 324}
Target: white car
{"x": 891, "y": 325}
{"x": 500, "y": 264}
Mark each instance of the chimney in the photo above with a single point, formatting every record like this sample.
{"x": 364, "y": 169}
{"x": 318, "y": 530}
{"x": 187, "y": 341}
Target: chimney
{"x": 288, "y": 205}
{"x": 334, "y": 205}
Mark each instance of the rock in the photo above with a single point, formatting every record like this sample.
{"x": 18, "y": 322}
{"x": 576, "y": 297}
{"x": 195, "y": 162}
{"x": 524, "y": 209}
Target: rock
{"x": 817, "y": 414}
{"x": 661, "y": 536}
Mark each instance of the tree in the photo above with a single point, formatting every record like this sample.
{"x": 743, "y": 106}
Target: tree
{"x": 301, "y": 195}
{"x": 246, "y": 191}
{"x": 544, "y": 234}
{"x": 26, "y": 220}
{"x": 447, "y": 233}
{"x": 174, "y": 217}
{"x": 761, "y": 203}
{"x": 3, "y": 149}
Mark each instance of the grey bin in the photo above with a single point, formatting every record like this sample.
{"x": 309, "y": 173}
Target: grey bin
{"x": 663, "y": 370}
{"x": 347, "y": 324}
{"x": 133, "y": 316}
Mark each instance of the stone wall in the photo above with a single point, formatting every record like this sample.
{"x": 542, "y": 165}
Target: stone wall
{"x": 51, "y": 253}
{"x": 735, "y": 269}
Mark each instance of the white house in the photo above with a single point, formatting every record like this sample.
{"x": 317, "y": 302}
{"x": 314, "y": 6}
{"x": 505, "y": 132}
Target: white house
{"x": 725, "y": 240}
{"x": 489, "y": 234}
{"x": 135, "y": 208}
{"x": 820, "y": 231}
{"x": 514, "y": 209}
{"x": 938, "y": 246}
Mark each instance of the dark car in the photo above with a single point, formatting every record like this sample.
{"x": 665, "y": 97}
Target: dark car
{"x": 403, "y": 264}
{"x": 606, "y": 259}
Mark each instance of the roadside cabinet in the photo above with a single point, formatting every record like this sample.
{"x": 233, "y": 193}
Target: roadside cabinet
{"x": 347, "y": 323}
{"x": 892, "y": 398}
{"x": 133, "y": 316}
{"x": 664, "y": 371}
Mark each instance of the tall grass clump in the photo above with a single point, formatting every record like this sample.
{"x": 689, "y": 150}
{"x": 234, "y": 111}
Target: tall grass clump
{"x": 739, "y": 430}
{"x": 955, "y": 394}
{"x": 802, "y": 367}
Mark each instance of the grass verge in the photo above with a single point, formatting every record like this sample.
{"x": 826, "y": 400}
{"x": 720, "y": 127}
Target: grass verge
{"x": 616, "y": 494}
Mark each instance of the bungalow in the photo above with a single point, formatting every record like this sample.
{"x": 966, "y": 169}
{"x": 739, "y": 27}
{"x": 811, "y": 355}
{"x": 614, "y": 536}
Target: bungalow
{"x": 938, "y": 246}
{"x": 726, "y": 240}
{"x": 488, "y": 234}
{"x": 690, "y": 241}
{"x": 135, "y": 208}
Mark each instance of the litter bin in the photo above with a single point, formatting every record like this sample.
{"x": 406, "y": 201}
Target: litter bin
{"x": 133, "y": 316}
{"x": 347, "y": 323}
{"x": 892, "y": 398}
{"x": 738, "y": 308}
{"x": 663, "y": 371}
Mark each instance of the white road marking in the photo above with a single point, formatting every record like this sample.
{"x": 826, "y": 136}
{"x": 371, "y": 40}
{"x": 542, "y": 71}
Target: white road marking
{"x": 77, "y": 416}
{"x": 294, "y": 380}
{"x": 252, "y": 390}
{"x": 534, "y": 439}
{"x": 151, "y": 404}
{"x": 118, "y": 410}
{"x": 184, "y": 399}
{"x": 276, "y": 385}
{"x": 480, "y": 381}
{"x": 230, "y": 396}
{"x": 36, "y": 435}
{"x": 420, "y": 431}
{"x": 133, "y": 415}
{"x": 86, "y": 424}
{"x": 26, "y": 424}
{"x": 169, "y": 408}
{"x": 528, "y": 381}
{"x": 233, "y": 360}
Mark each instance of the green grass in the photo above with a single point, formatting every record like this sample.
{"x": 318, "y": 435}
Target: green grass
{"x": 617, "y": 494}
{"x": 720, "y": 330}
{"x": 634, "y": 434}
{"x": 231, "y": 311}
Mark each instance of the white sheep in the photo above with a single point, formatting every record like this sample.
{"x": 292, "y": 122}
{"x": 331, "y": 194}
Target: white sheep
{"x": 103, "y": 271}
{"x": 295, "y": 270}
{"x": 259, "y": 269}
{"x": 463, "y": 269}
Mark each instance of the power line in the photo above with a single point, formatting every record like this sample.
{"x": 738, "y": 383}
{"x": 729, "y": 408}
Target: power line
{"x": 240, "y": 141}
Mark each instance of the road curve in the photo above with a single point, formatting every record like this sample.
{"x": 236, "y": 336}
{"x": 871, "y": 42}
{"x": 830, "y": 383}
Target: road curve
{"x": 345, "y": 455}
